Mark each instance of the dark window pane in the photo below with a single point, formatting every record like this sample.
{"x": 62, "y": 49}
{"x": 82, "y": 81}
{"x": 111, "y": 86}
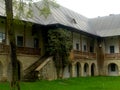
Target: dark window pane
{"x": 19, "y": 41}
{"x": 112, "y": 49}
{"x": 91, "y": 49}
{"x": 77, "y": 46}
{"x": 112, "y": 67}
{"x": 85, "y": 48}
{"x": 36, "y": 43}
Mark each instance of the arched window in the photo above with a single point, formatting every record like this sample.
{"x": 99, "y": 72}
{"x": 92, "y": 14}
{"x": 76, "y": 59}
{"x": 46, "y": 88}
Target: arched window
{"x": 78, "y": 69}
{"x": 113, "y": 69}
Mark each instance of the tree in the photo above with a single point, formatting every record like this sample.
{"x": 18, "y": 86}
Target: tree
{"x": 59, "y": 46}
{"x": 11, "y": 34}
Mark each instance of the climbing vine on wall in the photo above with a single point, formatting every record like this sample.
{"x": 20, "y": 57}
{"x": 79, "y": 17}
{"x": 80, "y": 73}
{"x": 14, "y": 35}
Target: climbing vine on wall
{"x": 59, "y": 46}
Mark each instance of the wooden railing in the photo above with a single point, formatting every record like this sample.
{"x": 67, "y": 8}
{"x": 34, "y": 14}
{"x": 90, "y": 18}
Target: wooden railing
{"x": 112, "y": 56}
{"x": 27, "y": 50}
{"x": 20, "y": 50}
{"x": 83, "y": 55}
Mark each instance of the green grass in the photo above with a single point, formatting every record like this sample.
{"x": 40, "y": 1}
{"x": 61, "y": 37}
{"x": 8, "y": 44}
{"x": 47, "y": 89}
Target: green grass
{"x": 84, "y": 83}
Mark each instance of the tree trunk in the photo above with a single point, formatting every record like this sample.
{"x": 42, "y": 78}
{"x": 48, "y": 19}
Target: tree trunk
{"x": 59, "y": 65}
{"x": 11, "y": 34}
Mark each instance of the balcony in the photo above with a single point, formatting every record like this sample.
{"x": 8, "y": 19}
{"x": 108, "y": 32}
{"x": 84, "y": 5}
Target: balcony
{"x": 83, "y": 55}
{"x": 112, "y": 56}
{"x": 20, "y": 50}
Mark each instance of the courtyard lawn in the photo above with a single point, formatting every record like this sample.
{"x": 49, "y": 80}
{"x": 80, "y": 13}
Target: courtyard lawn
{"x": 83, "y": 83}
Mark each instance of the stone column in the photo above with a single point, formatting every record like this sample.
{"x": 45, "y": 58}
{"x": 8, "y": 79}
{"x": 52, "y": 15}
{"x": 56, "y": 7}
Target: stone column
{"x": 82, "y": 69}
{"x": 73, "y": 70}
{"x": 100, "y": 54}
{"x": 89, "y": 70}
{"x": 96, "y": 70}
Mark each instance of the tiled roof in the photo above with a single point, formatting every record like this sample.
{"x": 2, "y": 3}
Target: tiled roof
{"x": 106, "y": 26}
{"x": 101, "y": 26}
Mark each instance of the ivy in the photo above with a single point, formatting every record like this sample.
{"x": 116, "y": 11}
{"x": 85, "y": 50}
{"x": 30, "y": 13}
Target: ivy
{"x": 59, "y": 46}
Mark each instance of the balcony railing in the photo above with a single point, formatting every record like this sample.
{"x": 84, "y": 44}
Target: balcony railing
{"x": 20, "y": 50}
{"x": 27, "y": 50}
{"x": 83, "y": 55}
{"x": 112, "y": 56}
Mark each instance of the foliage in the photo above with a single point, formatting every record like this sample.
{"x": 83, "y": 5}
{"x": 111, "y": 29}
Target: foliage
{"x": 60, "y": 45}
{"x": 24, "y": 8}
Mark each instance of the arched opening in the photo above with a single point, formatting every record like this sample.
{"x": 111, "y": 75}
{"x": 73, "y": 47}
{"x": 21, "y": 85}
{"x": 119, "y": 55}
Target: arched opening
{"x": 77, "y": 69}
{"x": 1, "y": 70}
{"x": 86, "y": 69}
{"x": 93, "y": 69}
{"x": 113, "y": 69}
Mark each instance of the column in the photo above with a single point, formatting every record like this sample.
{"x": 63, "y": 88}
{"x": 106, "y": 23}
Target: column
{"x": 73, "y": 70}
{"x": 89, "y": 70}
{"x": 82, "y": 69}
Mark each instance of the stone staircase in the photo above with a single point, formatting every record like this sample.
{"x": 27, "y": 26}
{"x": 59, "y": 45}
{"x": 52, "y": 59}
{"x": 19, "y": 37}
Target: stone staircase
{"x": 30, "y": 74}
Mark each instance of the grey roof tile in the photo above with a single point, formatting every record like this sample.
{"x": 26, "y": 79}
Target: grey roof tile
{"x": 101, "y": 26}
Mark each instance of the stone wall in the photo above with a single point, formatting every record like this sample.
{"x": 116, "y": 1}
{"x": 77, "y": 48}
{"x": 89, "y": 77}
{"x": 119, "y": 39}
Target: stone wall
{"x": 5, "y": 68}
{"x": 47, "y": 71}
{"x": 106, "y": 65}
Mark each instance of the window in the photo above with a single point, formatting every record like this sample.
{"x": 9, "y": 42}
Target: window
{"x": 77, "y": 46}
{"x": 74, "y": 21}
{"x": 91, "y": 49}
{"x": 20, "y": 41}
{"x": 85, "y": 48}
{"x": 112, "y": 49}
{"x": 36, "y": 43}
{"x": 2, "y": 37}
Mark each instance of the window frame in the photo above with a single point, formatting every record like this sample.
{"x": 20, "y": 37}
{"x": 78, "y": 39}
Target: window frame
{"x": 77, "y": 46}
{"x": 112, "y": 49}
{"x": 2, "y": 37}
{"x": 84, "y": 48}
{"x": 17, "y": 41}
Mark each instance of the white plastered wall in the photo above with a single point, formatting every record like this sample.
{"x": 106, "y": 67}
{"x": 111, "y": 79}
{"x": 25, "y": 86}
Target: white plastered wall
{"x": 111, "y": 41}
{"x": 76, "y": 40}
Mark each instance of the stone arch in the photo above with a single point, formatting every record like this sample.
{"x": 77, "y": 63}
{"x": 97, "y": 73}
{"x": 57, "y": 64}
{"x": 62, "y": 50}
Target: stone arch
{"x": 113, "y": 69}
{"x": 1, "y": 71}
{"x": 77, "y": 69}
{"x": 86, "y": 69}
{"x": 93, "y": 69}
